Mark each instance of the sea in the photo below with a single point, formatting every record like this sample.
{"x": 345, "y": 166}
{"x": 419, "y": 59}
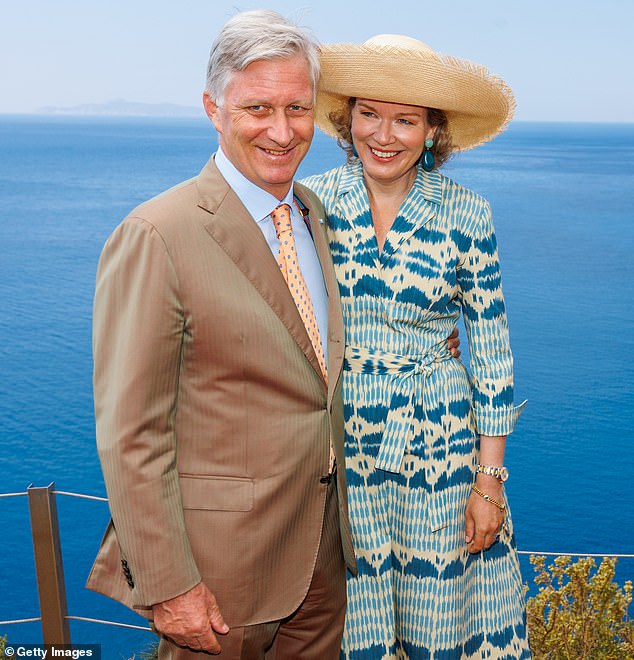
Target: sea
{"x": 563, "y": 204}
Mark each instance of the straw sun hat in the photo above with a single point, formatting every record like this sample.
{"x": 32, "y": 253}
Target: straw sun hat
{"x": 399, "y": 69}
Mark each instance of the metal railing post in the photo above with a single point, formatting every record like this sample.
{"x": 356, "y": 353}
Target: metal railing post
{"x": 48, "y": 565}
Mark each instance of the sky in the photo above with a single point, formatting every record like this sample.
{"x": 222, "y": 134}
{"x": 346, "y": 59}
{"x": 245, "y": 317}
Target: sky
{"x": 566, "y": 60}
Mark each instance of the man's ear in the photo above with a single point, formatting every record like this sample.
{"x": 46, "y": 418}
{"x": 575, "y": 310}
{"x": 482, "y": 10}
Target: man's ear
{"x": 213, "y": 111}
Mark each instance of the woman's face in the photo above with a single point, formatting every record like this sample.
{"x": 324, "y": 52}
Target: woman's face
{"x": 389, "y": 138}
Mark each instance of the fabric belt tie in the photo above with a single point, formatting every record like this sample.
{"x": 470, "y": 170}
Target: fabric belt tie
{"x": 408, "y": 389}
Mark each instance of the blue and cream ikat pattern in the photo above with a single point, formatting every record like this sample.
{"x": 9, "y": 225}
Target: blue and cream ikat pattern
{"x": 413, "y": 419}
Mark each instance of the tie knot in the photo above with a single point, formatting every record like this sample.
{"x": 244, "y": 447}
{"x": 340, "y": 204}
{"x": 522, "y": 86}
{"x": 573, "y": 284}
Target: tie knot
{"x": 281, "y": 217}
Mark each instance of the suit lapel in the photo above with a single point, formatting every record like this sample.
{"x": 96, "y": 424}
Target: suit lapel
{"x": 235, "y": 231}
{"x": 335, "y": 320}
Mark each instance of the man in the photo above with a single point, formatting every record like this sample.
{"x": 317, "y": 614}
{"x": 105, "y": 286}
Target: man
{"x": 217, "y": 426}
{"x": 217, "y": 388}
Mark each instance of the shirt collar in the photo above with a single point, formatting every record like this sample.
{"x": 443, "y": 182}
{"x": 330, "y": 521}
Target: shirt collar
{"x": 258, "y": 202}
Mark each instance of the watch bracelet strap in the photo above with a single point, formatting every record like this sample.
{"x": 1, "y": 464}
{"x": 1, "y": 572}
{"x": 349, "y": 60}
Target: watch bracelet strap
{"x": 491, "y": 470}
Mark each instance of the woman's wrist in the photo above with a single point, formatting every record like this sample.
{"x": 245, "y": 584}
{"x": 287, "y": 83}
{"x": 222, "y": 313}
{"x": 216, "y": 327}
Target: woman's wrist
{"x": 489, "y": 484}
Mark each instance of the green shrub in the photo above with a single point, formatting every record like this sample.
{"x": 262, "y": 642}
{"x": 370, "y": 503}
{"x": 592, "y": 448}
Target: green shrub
{"x": 151, "y": 653}
{"x": 579, "y": 614}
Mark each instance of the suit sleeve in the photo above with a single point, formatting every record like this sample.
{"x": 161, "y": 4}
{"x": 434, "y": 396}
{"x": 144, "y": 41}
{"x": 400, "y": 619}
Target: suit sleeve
{"x": 480, "y": 285}
{"x": 138, "y": 331}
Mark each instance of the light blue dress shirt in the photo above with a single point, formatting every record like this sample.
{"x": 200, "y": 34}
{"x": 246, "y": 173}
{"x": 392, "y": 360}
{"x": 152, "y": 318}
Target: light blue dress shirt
{"x": 260, "y": 204}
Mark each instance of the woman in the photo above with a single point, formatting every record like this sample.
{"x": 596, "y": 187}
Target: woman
{"x": 438, "y": 571}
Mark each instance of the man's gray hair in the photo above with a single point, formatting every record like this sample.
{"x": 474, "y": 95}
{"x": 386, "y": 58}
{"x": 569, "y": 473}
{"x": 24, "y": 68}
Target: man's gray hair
{"x": 252, "y": 36}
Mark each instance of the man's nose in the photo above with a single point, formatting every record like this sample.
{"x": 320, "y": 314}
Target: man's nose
{"x": 280, "y": 130}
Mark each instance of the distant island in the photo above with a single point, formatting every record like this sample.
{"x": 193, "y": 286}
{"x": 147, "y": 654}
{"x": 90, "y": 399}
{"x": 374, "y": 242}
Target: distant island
{"x": 123, "y": 108}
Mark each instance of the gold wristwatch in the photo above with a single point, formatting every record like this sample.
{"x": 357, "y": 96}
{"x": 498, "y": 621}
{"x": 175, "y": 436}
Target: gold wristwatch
{"x": 499, "y": 472}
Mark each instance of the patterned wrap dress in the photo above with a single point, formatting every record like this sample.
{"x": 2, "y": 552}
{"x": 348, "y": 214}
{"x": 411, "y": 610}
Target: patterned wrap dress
{"x": 413, "y": 419}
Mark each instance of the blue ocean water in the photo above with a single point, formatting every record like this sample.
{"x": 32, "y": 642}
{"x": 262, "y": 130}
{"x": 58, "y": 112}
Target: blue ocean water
{"x": 563, "y": 201}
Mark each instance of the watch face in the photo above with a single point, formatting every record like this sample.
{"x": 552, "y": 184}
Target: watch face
{"x": 504, "y": 474}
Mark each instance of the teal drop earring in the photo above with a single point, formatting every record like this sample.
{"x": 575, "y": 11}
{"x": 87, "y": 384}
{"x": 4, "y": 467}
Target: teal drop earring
{"x": 428, "y": 161}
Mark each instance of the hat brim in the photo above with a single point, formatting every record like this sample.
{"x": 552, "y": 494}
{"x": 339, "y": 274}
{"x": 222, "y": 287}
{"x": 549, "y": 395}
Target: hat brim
{"x": 478, "y": 105}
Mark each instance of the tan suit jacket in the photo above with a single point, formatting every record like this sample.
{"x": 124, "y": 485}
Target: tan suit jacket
{"x": 213, "y": 418}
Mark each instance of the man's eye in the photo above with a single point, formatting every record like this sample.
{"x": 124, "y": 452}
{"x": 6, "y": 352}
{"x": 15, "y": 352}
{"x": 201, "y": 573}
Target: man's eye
{"x": 407, "y": 122}
{"x": 298, "y": 109}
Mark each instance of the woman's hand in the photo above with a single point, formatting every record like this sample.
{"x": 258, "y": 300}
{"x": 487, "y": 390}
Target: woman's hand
{"x": 483, "y": 519}
{"x": 453, "y": 343}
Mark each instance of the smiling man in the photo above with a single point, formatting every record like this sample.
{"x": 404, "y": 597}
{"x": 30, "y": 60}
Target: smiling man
{"x": 218, "y": 348}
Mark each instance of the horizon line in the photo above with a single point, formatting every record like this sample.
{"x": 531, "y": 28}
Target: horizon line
{"x": 123, "y": 115}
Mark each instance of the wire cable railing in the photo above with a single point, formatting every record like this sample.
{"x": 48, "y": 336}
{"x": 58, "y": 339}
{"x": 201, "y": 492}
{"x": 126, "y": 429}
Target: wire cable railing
{"x": 575, "y": 554}
{"x": 119, "y": 624}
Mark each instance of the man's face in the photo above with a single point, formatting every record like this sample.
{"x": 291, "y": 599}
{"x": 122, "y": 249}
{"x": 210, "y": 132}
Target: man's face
{"x": 265, "y": 123}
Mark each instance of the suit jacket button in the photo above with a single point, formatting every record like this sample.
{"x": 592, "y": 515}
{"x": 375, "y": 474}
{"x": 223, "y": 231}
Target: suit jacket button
{"x": 326, "y": 479}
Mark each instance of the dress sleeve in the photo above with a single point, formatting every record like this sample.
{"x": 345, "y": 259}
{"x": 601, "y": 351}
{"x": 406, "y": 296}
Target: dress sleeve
{"x": 480, "y": 291}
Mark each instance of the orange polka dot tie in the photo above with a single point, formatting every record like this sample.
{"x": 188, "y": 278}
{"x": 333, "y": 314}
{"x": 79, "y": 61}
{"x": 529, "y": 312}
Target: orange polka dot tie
{"x": 289, "y": 265}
